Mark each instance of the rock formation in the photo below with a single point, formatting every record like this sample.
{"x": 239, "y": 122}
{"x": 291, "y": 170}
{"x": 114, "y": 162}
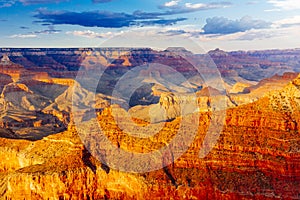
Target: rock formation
{"x": 257, "y": 155}
{"x": 5, "y": 60}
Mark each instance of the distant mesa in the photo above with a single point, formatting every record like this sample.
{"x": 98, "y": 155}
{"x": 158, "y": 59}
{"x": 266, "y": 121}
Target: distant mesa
{"x": 178, "y": 49}
{"x": 217, "y": 52}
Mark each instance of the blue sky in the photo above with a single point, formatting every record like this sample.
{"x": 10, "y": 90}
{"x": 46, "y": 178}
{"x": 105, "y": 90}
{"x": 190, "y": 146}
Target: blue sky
{"x": 229, "y": 25}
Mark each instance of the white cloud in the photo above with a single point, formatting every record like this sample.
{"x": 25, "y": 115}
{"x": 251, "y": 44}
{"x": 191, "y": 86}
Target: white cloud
{"x": 203, "y": 6}
{"x": 284, "y": 5}
{"x": 178, "y": 8}
{"x": 195, "y": 6}
{"x": 91, "y": 34}
{"x": 24, "y": 36}
{"x": 171, "y": 3}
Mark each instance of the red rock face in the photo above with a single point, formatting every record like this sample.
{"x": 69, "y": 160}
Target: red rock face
{"x": 256, "y": 156}
{"x": 4, "y": 80}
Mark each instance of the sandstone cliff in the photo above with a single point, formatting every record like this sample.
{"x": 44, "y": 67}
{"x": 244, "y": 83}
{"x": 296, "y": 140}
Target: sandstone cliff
{"x": 256, "y": 157}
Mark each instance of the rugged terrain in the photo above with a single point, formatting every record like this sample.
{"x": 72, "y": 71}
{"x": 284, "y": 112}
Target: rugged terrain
{"x": 257, "y": 155}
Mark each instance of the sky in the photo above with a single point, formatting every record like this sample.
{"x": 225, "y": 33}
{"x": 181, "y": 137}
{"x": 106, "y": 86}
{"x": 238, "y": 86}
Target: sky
{"x": 229, "y": 25}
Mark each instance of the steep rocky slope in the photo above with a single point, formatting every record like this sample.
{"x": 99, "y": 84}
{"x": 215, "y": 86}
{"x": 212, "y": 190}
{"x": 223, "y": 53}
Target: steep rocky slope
{"x": 243, "y": 94}
{"x": 257, "y": 157}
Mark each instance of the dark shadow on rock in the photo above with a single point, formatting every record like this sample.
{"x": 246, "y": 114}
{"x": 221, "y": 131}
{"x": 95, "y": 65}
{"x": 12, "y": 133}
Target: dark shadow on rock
{"x": 31, "y": 129}
{"x": 87, "y": 160}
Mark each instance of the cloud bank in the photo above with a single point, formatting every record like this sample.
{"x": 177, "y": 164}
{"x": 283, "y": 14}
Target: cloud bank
{"x": 174, "y": 6}
{"x": 23, "y": 36}
{"x": 104, "y": 19}
{"x": 222, "y": 25}
{"x": 91, "y": 34}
